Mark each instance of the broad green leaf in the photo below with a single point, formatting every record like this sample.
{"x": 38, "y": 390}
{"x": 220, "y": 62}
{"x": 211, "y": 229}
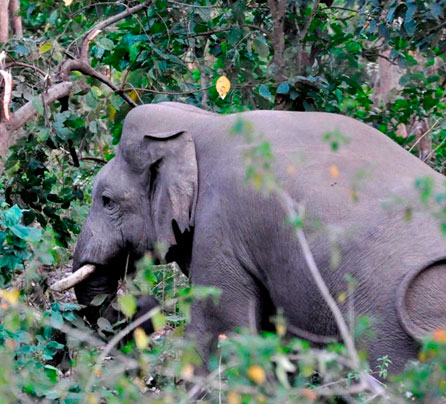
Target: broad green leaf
{"x": 12, "y": 216}
{"x": 265, "y": 93}
{"x": 158, "y": 320}
{"x": 128, "y": 305}
{"x": 99, "y": 299}
{"x": 45, "y": 48}
{"x": 283, "y": 88}
{"x": 27, "y": 233}
{"x": 260, "y": 45}
{"x": 38, "y": 104}
{"x": 106, "y": 43}
{"x": 104, "y": 324}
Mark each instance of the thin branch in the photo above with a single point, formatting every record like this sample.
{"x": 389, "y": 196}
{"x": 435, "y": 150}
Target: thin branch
{"x": 147, "y": 90}
{"x": 424, "y": 134}
{"x": 224, "y": 29}
{"x": 94, "y": 159}
{"x": 15, "y": 64}
{"x": 304, "y": 31}
{"x": 110, "y": 21}
{"x": 4, "y": 21}
{"x": 288, "y": 204}
{"x": 85, "y": 68}
{"x": 192, "y": 5}
{"x": 27, "y": 111}
{"x": 113, "y": 342}
{"x": 16, "y": 20}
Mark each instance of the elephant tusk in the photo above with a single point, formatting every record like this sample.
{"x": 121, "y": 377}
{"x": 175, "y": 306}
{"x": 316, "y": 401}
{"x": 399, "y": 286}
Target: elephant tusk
{"x": 73, "y": 279}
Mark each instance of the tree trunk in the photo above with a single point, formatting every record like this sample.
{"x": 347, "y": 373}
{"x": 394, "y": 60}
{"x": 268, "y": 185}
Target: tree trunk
{"x": 4, "y": 21}
{"x": 16, "y": 20}
{"x": 387, "y": 85}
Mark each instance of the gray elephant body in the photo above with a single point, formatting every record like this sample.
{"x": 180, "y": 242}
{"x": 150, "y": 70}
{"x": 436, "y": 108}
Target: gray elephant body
{"x": 178, "y": 178}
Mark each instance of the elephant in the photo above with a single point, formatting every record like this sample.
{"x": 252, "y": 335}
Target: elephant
{"x": 177, "y": 187}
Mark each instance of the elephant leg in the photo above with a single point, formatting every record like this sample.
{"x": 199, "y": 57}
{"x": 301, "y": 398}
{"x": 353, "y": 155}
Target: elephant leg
{"x": 239, "y": 305}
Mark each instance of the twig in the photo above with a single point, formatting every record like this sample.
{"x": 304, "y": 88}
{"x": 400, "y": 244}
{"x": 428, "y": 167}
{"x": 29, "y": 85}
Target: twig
{"x": 424, "y": 134}
{"x": 304, "y": 31}
{"x": 429, "y": 156}
{"x": 224, "y": 29}
{"x": 94, "y": 159}
{"x": 113, "y": 342}
{"x": 192, "y": 5}
{"x": 14, "y": 64}
{"x": 288, "y": 204}
{"x": 147, "y": 90}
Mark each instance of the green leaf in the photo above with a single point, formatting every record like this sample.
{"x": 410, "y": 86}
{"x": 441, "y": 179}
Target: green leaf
{"x": 158, "y": 320}
{"x": 127, "y": 304}
{"x": 106, "y": 43}
{"x": 283, "y": 88}
{"x": 45, "y": 48}
{"x": 260, "y": 46}
{"x": 38, "y": 104}
{"x": 104, "y": 324}
{"x": 99, "y": 299}
{"x": 26, "y": 233}
{"x": 265, "y": 93}
{"x": 12, "y": 216}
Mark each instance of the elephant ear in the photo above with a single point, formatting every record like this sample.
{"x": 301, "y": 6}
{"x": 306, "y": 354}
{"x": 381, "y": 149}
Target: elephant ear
{"x": 172, "y": 182}
{"x": 421, "y": 302}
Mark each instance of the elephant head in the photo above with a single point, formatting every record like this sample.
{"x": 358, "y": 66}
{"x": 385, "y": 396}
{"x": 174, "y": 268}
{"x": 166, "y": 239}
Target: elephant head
{"x": 143, "y": 198}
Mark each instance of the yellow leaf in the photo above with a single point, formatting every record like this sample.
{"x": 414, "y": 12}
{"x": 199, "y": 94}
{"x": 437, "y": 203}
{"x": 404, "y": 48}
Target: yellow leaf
{"x": 11, "y": 295}
{"x": 223, "y": 86}
{"x": 158, "y": 321}
{"x": 92, "y": 399}
{"x": 67, "y": 2}
{"x": 45, "y": 48}
{"x": 233, "y": 398}
{"x": 256, "y": 374}
{"x": 280, "y": 329}
{"x": 439, "y": 336}
{"x": 141, "y": 339}
{"x": 334, "y": 171}
{"x": 309, "y": 394}
{"x": 133, "y": 95}
{"x": 188, "y": 371}
{"x": 342, "y": 297}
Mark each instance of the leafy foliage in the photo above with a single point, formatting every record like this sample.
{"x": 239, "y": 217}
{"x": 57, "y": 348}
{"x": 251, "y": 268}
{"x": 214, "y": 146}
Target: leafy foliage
{"x": 325, "y": 58}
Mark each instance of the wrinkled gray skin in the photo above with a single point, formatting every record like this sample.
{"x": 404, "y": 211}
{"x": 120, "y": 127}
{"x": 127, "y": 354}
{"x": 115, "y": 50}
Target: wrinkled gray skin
{"x": 178, "y": 178}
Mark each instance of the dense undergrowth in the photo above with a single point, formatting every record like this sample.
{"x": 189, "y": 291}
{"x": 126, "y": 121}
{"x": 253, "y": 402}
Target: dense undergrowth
{"x": 174, "y": 51}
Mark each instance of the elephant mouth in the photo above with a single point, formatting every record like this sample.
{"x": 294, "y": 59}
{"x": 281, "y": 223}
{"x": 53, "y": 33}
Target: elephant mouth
{"x": 103, "y": 281}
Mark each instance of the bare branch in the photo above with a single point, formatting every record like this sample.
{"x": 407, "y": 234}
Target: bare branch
{"x": 85, "y": 68}
{"x": 304, "y": 31}
{"x": 288, "y": 204}
{"x": 16, "y": 20}
{"x": 217, "y": 31}
{"x": 7, "y": 94}
{"x": 278, "y": 8}
{"x": 114, "y": 341}
{"x": 25, "y": 113}
{"x": 14, "y": 64}
{"x": 4, "y": 21}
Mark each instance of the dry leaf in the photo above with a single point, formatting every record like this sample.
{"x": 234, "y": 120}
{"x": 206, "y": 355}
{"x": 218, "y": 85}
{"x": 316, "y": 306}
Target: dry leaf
{"x": 256, "y": 374}
{"x": 67, "y": 2}
{"x": 141, "y": 338}
{"x": 334, "y": 171}
{"x": 223, "y": 86}
{"x": 10, "y": 295}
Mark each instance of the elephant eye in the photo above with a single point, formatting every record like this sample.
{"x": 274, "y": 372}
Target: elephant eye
{"x": 108, "y": 203}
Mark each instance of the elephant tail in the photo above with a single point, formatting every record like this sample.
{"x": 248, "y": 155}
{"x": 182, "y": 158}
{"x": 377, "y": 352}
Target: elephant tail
{"x": 421, "y": 300}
